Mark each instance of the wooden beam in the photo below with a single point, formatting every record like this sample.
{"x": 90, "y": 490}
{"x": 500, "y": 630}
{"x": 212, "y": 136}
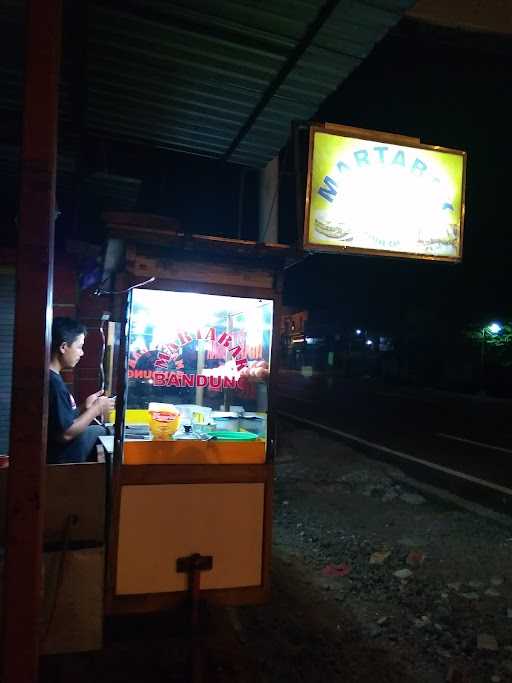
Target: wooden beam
{"x": 34, "y": 289}
{"x": 79, "y": 22}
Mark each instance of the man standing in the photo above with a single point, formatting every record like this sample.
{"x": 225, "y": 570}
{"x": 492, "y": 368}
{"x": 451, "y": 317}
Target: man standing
{"x": 71, "y": 436}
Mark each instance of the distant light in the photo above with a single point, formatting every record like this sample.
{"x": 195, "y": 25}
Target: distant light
{"x": 369, "y": 342}
{"x": 358, "y": 331}
{"x": 494, "y": 328}
{"x": 314, "y": 340}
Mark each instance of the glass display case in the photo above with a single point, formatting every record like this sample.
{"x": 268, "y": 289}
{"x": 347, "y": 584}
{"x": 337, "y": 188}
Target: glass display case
{"x": 198, "y": 369}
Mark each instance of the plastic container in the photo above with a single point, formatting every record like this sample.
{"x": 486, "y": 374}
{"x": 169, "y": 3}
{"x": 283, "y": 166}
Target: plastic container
{"x": 164, "y": 420}
{"x": 198, "y": 415}
{"x": 226, "y": 420}
{"x": 255, "y": 423}
{"x": 187, "y": 433}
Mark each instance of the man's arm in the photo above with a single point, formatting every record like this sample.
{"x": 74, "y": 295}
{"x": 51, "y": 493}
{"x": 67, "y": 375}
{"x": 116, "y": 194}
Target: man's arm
{"x": 80, "y": 424}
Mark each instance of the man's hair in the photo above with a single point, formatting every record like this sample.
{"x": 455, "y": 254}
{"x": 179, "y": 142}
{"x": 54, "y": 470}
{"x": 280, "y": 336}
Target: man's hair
{"x": 65, "y": 330}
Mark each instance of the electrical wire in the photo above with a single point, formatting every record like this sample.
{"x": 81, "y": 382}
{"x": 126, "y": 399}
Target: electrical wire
{"x": 70, "y": 522}
{"x": 100, "y": 292}
{"x": 101, "y": 421}
{"x": 102, "y": 356}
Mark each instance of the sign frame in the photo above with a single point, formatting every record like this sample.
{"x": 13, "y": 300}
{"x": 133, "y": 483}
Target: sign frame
{"x": 391, "y": 138}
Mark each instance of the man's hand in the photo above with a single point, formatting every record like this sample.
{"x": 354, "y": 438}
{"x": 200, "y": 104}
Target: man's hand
{"x": 104, "y": 405}
{"x": 92, "y": 398}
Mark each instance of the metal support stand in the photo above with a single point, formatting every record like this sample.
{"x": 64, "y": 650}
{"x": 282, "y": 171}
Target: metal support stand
{"x": 193, "y": 565}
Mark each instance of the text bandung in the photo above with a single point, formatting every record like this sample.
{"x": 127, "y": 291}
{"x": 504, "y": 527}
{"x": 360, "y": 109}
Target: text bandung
{"x": 181, "y": 379}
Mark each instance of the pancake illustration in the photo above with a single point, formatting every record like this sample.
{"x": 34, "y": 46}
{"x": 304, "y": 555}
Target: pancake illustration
{"x": 332, "y": 228}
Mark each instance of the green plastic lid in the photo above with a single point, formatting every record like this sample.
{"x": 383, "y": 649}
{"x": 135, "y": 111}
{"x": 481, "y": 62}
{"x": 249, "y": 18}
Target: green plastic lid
{"x": 225, "y": 435}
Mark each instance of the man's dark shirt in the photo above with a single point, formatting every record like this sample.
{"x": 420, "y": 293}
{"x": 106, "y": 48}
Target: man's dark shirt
{"x": 62, "y": 412}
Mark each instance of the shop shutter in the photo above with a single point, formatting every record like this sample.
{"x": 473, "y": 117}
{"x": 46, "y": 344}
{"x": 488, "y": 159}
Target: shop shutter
{"x": 7, "y": 294}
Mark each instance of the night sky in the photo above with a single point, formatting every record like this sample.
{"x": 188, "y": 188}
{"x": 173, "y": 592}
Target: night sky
{"x": 450, "y": 89}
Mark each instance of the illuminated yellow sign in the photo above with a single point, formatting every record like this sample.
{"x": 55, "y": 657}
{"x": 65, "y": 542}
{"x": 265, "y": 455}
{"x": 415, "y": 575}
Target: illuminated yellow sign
{"x": 376, "y": 193}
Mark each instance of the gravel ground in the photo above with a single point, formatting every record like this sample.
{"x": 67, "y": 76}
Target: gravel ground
{"x": 373, "y": 581}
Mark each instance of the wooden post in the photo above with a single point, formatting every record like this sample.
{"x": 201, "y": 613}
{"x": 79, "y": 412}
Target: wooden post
{"x": 34, "y": 289}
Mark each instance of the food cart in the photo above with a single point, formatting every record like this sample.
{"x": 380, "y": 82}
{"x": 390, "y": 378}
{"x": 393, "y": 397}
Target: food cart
{"x": 190, "y": 499}
{"x": 182, "y": 504}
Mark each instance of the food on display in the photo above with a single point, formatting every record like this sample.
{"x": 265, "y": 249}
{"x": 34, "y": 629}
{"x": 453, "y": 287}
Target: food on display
{"x": 164, "y": 420}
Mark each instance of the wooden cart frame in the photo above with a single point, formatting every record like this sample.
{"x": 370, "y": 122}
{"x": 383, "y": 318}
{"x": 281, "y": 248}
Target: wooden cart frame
{"x": 207, "y": 266}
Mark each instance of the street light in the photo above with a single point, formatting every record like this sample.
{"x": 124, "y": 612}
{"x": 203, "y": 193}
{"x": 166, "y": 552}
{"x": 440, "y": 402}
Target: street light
{"x": 492, "y": 329}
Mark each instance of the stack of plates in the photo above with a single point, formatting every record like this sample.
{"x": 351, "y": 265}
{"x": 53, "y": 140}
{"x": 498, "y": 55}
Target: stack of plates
{"x": 136, "y": 432}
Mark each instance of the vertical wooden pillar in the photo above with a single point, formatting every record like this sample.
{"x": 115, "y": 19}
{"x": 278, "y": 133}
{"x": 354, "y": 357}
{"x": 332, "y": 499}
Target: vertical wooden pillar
{"x": 34, "y": 285}
{"x": 269, "y": 202}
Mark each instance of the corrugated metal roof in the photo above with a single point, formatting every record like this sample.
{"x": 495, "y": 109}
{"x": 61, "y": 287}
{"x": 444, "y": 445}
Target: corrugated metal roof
{"x": 187, "y": 75}
{"x": 217, "y": 78}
